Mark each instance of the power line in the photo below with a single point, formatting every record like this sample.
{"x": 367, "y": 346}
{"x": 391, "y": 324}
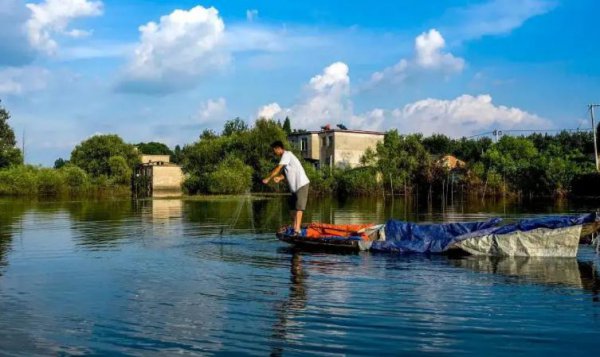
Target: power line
{"x": 501, "y": 131}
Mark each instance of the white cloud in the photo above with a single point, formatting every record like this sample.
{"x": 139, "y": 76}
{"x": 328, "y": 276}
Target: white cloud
{"x": 495, "y": 17}
{"x": 428, "y": 48}
{"x": 429, "y": 57}
{"x": 21, "y": 80}
{"x": 53, "y": 17}
{"x": 213, "y": 110}
{"x": 176, "y": 52}
{"x": 269, "y": 111}
{"x": 463, "y": 116}
{"x": 251, "y": 14}
{"x": 326, "y": 100}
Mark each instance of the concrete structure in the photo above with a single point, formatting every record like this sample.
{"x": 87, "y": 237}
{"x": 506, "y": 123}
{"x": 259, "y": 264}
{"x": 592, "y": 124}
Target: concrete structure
{"x": 335, "y": 147}
{"x": 146, "y": 159}
{"x": 157, "y": 177}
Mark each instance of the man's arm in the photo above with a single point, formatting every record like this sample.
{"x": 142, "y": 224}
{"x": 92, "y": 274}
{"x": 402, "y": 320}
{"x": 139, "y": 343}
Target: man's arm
{"x": 273, "y": 174}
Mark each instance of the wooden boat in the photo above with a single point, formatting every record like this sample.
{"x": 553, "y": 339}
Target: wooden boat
{"x": 556, "y": 236}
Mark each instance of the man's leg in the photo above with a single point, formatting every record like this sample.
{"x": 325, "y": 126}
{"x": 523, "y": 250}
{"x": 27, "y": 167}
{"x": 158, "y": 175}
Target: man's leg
{"x": 298, "y": 221}
{"x": 301, "y": 199}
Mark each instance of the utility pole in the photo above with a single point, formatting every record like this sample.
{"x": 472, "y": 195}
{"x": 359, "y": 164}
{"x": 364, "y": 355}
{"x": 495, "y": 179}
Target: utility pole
{"x": 592, "y": 106}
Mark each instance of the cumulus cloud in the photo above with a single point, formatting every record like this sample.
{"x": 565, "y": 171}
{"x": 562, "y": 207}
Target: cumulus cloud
{"x": 326, "y": 99}
{"x": 53, "y": 17}
{"x": 21, "y": 80}
{"x": 177, "y": 51}
{"x": 269, "y": 111}
{"x": 463, "y": 116}
{"x": 429, "y": 57}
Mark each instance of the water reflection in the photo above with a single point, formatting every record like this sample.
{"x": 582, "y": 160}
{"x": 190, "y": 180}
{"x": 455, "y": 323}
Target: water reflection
{"x": 286, "y": 310}
{"x": 559, "y": 272}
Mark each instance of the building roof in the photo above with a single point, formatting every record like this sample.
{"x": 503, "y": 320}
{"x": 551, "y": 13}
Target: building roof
{"x": 368, "y": 132}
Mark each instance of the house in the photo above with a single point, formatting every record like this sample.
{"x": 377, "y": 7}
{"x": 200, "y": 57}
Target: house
{"x": 156, "y": 176}
{"x": 450, "y": 162}
{"x": 335, "y": 147}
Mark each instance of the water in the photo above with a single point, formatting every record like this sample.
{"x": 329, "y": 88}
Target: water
{"x": 208, "y": 277}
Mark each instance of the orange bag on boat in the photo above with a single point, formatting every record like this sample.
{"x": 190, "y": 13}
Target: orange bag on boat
{"x": 318, "y": 230}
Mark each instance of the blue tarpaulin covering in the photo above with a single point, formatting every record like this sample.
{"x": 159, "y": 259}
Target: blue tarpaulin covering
{"x": 403, "y": 236}
{"x": 435, "y": 238}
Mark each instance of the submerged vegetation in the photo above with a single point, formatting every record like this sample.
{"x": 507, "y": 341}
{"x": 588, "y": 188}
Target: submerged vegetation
{"x": 236, "y": 160}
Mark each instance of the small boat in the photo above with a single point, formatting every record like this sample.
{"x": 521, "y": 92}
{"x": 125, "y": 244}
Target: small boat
{"x": 556, "y": 236}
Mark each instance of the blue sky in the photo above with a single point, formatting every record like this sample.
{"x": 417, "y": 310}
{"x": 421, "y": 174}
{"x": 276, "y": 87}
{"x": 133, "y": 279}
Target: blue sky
{"x": 166, "y": 70}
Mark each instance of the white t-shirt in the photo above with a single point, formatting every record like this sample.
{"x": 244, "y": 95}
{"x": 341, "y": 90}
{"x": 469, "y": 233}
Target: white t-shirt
{"x": 294, "y": 172}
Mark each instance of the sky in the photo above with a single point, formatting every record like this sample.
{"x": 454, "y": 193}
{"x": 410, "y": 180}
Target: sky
{"x": 151, "y": 70}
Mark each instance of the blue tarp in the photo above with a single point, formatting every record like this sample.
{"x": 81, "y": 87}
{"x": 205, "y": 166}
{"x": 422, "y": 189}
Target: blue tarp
{"x": 403, "y": 236}
{"x": 435, "y": 238}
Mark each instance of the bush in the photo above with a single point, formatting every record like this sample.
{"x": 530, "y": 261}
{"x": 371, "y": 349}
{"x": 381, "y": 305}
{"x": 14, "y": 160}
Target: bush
{"x": 120, "y": 173}
{"x": 321, "y": 181}
{"x": 18, "y": 180}
{"x": 195, "y": 184}
{"x": 360, "y": 181}
{"x": 50, "y": 182}
{"x": 232, "y": 176}
{"x": 75, "y": 178}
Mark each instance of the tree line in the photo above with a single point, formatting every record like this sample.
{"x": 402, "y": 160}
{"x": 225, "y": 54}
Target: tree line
{"x": 235, "y": 160}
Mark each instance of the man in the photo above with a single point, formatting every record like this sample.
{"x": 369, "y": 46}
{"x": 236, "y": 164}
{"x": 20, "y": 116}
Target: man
{"x": 297, "y": 181}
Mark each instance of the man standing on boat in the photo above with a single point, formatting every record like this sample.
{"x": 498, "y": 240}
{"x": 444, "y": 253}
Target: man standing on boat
{"x": 297, "y": 181}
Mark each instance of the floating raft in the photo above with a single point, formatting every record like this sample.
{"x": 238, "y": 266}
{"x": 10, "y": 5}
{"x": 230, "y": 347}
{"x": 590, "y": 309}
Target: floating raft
{"x": 554, "y": 236}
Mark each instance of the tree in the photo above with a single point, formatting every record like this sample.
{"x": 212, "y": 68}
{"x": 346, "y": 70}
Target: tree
{"x": 60, "y": 162}
{"x": 177, "y": 155}
{"x": 9, "y": 154}
{"x": 153, "y": 148}
{"x": 234, "y": 126}
{"x": 287, "y": 126}
{"x": 93, "y": 155}
{"x": 208, "y": 134}
{"x": 119, "y": 170}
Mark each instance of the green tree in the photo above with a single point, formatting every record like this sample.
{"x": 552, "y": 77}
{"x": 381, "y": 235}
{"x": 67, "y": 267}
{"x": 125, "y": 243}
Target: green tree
{"x": 60, "y": 162}
{"x": 231, "y": 176}
{"x": 177, "y": 155}
{"x": 439, "y": 144}
{"x": 9, "y": 154}
{"x": 153, "y": 148}
{"x": 234, "y": 126}
{"x": 287, "y": 126}
{"x": 120, "y": 171}
{"x": 93, "y": 155}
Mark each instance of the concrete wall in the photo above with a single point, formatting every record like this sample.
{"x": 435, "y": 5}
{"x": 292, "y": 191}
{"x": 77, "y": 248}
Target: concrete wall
{"x": 346, "y": 148}
{"x": 154, "y": 158}
{"x": 349, "y": 147}
{"x": 166, "y": 179}
{"x": 312, "y": 149}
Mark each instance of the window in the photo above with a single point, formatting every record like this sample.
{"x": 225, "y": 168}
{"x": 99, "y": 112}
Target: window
{"x": 304, "y": 144}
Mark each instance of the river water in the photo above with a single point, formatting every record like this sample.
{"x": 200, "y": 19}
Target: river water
{"x": 208, "y": 277}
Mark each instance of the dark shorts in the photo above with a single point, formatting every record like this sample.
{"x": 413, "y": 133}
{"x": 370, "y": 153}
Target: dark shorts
{"x": 298, "y": 199}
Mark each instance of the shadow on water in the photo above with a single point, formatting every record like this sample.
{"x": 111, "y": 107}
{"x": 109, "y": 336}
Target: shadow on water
{"x": 558, "y": 272}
